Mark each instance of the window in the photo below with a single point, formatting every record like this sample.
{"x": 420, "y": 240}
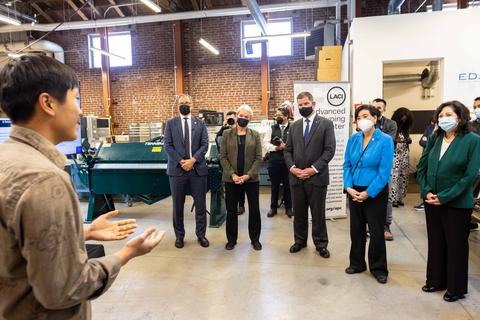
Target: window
{"x": 276, "y": 47}
{"x": 119, "y": 43}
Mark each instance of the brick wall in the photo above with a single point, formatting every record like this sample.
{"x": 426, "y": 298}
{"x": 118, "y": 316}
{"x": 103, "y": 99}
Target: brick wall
{"x": 146, "y": 90}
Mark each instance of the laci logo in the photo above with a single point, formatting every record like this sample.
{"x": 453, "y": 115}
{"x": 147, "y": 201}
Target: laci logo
{"x": 336, "y": 96}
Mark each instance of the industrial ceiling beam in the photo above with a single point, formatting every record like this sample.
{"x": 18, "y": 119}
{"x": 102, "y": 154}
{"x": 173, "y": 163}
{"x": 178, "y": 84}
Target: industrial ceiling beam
{"x": 195, "y": 4}
{"x": 45, "y": 15}
{"x": 117, "y": 9}
{"x": 74, "y": 6}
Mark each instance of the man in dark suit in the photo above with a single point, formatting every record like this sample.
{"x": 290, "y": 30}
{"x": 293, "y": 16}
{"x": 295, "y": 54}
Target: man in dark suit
{"x": 310, "y": 147}
{"x": 389, "y": 127}
{"x": 186, "y": 143}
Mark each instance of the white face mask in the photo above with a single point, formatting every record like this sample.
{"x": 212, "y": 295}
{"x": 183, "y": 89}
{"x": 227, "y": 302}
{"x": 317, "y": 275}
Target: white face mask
{"x": 365, "y": 124}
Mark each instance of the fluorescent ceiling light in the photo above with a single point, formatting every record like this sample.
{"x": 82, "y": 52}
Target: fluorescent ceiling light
{"x": 9, "y": 20}
{"x": 152, "y": 5}
{"x": 288, "y": 35}
{"x": 106, "y": 53}
{"x": 13, "y": 55}
{"x": 208, "y": 46}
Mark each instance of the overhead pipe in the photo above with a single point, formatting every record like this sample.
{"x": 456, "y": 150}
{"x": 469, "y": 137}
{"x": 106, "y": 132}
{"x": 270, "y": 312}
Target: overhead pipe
{"x": 17, "y": 14}
{"x": 90, "y": 24}
{"x": 437, "y": 5}
{"x": 257, "y": 15}
{"x": 394, "y": 6}
{"x": 433, "y": 76}
{"x": 41, "y": 46}
{"x": 406, "y": 77}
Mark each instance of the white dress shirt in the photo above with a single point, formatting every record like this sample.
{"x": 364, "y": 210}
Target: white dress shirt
{"x": 267, "y": 145}
{"x": 189, "y": 120}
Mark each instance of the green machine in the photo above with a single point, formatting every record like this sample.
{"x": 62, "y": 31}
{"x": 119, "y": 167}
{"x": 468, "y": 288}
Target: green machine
{"x": 139, "y": 170}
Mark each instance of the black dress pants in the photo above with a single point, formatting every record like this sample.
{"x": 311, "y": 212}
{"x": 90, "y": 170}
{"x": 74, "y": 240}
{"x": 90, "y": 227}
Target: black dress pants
{"x": 178, "y": 187}
{"x": 305, "y": 196}
{"x": 279, "y": 173}
{"x": 448, "y": 230}
{"x": 371, "y": 211}
{"x": 252, "y": 190}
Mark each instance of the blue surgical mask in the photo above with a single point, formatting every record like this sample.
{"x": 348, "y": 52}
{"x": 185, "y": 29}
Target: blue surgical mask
{"x": 448, "y": 123}
{"x": 477, "y": 112}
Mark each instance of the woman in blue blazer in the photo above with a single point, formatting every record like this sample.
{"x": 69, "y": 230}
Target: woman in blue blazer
{"x": 446, "y": 172}
{"x": 366, "y": 172}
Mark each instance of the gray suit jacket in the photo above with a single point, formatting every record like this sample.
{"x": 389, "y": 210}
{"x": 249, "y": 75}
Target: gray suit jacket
{"x": 173, "y": 143}
{"x": 318, "y": 151}
{"x": 387, "y": 126}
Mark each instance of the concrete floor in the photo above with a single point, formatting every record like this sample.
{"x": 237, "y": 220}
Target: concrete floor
{"x": 212, "y": 283}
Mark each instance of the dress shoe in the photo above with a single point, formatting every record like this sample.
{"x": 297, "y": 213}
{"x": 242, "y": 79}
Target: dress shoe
{"x": 289, "y": 213}
{"x": 241, "y": 210}
{"x": 179, "y": 243}
{"x": 451, "y": 298}
{"x": 401, "y": 203}
{"x": 387, "y": 233}
{"x": 426, "y": 288}
{"x": 297, "y": 247}
{"x": 395, "y": 205}
{"x": 272, "y": 212}
{"x": 230, "y": 245}
{"x": 349, "y": 270}
{"x": 382, "y": 279}
{"x": 257, "y": 245}
{"x": 324, "y": 252}
{"x": 204, "y": 242}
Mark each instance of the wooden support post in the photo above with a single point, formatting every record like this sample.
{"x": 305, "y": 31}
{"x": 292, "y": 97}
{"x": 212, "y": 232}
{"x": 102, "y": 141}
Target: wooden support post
{"x": 358, "y": 8}
{"x": 265, "y": 92}
{"x": 179, "y": 70}
{"x": 461, "y": 4}
{"x": 107, "y": 93}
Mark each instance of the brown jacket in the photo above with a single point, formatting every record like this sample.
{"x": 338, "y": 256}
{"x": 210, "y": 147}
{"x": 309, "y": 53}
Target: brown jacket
{"x": 229, "y": 154}
{"x": 44, "y": 271}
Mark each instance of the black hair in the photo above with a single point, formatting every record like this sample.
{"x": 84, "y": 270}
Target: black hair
{"x": 285, "y": 112}
{"x": 24, "y": 79}
{"x": 374, "y": 112}
{"x": 405, "y": 128}
{"x": 229, "y": 113}
{"x": 380, "y": 100}
{"x": 476, "y": 99}
{"x": 462, "y": 112}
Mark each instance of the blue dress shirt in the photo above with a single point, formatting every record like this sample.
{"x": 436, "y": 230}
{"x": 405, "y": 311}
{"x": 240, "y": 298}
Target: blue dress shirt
{"x": 375, "y": 167}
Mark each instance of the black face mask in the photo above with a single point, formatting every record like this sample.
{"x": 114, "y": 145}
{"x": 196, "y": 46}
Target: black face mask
{"x": 305, "y": 112}
{"x": 231, "y": 121}
{"x": 242, "y": 122}
{"x": 184, "y": 109}
{"x": 279, "y": 120}
{"x": 402, "y": 123}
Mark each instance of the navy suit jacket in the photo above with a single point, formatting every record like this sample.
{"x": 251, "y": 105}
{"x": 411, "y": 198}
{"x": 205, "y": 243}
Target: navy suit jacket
{"x": 375, "y": 167}
{"x": 174, "y": 146}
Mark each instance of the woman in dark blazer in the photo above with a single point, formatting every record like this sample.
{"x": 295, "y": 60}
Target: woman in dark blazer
{"x": 240, "y": 156}
{"x": 446, "y": 172}
{"x": 366, "y": 173}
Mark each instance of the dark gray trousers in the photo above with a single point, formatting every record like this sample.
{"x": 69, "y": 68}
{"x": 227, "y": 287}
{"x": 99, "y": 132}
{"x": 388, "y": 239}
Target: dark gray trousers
{"x": 178, "y": 187}
{"x": 305, "y": 195}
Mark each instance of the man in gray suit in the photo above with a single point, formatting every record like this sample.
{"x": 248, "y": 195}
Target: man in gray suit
{"x": 186, "y": 143}
{"x": 389, "y": 127}
{"x": 310, "y": 147}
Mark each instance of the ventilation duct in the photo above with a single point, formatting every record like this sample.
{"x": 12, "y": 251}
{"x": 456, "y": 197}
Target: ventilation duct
{"x": 433, "y": 76}
{"x": 437, "y": 5}
{"x": 257, "y": 15}
{"x": 394, "y": 6}
{"x": 406, "y": 77}
{"x": 43, "y": 46}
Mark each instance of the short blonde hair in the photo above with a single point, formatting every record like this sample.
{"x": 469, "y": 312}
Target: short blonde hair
{"x": 247, "y": 108}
